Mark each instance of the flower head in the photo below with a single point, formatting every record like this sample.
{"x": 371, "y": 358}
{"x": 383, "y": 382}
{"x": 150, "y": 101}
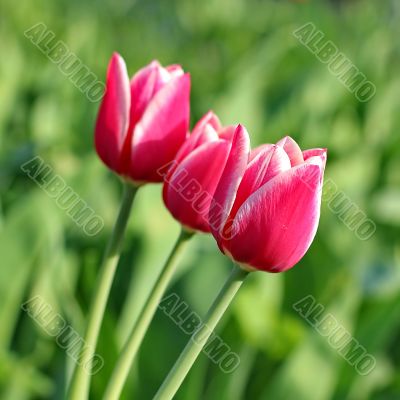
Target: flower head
{"x": 142, "y": 123}
{"x": 271, "y": 205}
{"x": 190, "y": 183}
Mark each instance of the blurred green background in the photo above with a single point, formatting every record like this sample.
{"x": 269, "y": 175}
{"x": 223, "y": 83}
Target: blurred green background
{"x": 247, "y": 66}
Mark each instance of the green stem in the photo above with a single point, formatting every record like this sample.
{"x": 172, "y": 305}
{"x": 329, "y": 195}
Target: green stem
{"x": 124, "y": 363}
{"x": 196, "y": 343}
{"x": 80, "y": 382}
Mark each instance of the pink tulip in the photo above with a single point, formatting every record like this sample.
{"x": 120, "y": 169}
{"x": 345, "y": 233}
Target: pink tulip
{"x": 270, "y": 207}
{"x": 142, "y": 123}
{"x": 190, "y": 183}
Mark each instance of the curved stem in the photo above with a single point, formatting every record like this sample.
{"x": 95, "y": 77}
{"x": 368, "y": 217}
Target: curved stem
{"x": 196, "y": 343}
{"x": 125, "y": 360}
{"x": 80, "y": 382}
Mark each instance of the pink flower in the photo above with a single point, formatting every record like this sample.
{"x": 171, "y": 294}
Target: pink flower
{"x": 191, "y": 181}
{"x": 270, "y": 207}
{"x": 142, "y": 123}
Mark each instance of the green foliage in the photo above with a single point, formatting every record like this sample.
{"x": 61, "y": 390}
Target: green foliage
{"x": 248, "y": 67}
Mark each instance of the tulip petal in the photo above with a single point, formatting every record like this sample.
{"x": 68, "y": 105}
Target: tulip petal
{"x": 113, "y": 118}
{"x": 292, "y": 149}
{"x": 208, "y": 119}
{"x": 232, "y": 174}
{"x": 269, "y": 162}
{"x": 257, "y": 150}
{"x": 276, "y": 225}
{"x": 143, "y": 87}
{"x": 189, "y": 190}
{"x": 227, "y": 132}
{"x": 309, "y": 156}
{"x": 161, "y": 131}
{"x": 174, "y": 70}
{"x": 203, "y": 132}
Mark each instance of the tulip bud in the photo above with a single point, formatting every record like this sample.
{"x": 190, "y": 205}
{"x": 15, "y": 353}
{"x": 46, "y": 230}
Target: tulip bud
{"x": 190, "y": 183}
{"x": 271, "y": 206}
{"x": 142, "y": 123}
